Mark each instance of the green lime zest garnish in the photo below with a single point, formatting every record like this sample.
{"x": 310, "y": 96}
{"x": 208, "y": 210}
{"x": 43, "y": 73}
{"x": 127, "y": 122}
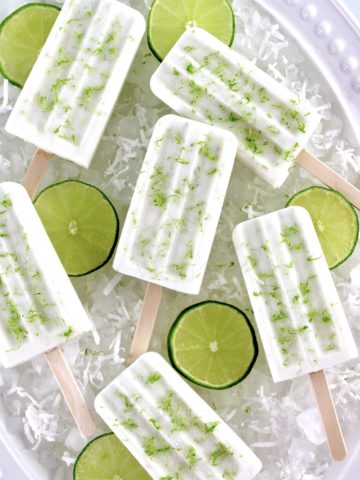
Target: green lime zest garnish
{"x": 153, "y": 378}
{"x": 221, "y": 452}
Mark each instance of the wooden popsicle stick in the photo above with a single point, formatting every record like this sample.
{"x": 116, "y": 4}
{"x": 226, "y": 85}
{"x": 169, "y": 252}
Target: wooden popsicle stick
{"x": 55, "y": 358}
{"x": 329, "y": 416}
{"x": 327, "y": 176}
{"x": 146, "y": 323}
{"x": 70, "y": 391}
{"x": 36, "y": 171}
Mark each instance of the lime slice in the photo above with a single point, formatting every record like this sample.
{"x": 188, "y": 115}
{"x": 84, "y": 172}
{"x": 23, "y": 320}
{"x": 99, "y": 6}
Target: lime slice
{"x": 106, "y": 458}
{"x": 81, "y": 223}
{"x": 212, "y": 344}
{"x": 168, "y": 20}
{"x": 22, "y": 36}
{"x": 335, "y": 221}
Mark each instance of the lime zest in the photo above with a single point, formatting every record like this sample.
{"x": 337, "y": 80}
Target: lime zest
{"x": 192, "y": 457}
{"x": 129, "y": 424}
{"x": 153, "y": 378}
{"x": 128, "y": 405}
{"x": 210, "y": 427}
{"x": 68, "y": 332}
{"x": 220, "y": 453}
{"x": 14, "y": 325}
{"x": 153, "y": 450}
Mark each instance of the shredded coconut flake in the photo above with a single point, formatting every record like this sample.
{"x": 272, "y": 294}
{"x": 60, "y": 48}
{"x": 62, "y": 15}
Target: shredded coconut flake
{"x": 5, "y": 106}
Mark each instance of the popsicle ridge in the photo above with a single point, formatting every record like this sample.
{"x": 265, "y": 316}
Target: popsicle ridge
{"x": 24, "y": 296}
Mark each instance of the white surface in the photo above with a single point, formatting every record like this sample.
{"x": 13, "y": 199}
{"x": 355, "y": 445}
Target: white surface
{"x": 9, "y": 468}
{"x": 354, "y": 6}
{"x": 330, "y": 37}
{"x": 155, "y": 248}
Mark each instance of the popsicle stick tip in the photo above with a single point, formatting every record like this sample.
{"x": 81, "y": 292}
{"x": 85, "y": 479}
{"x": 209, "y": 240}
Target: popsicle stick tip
{"x": 89, "y": 428}
{"x": 329, "y": 416}
{"x": 329, "y": 177}
{"x": 339, "y": 455}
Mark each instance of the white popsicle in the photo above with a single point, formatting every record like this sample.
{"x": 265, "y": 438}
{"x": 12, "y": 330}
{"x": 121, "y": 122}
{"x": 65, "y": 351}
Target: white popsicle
{"x": 39, "y": 307}
{"x": 297, "y": 308}
{"x": 204, "y": 79}
{"x": 174, "y": 212}
{"x": 73, "y": 86}
{"x": 171, "y": 431}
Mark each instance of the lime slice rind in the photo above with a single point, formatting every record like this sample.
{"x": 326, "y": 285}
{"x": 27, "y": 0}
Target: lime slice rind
{"x": 237, "y": 345}
{"x": 219, "y": 20}
{"x": 19, "y": 44}
{"x": 335, "y": 220}
{"x": 82, "y": 224}
{"x": 107, "y": 458}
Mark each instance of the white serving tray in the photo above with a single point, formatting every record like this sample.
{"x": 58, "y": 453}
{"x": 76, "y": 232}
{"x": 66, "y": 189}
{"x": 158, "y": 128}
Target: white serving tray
{"x": 330, "y": 36}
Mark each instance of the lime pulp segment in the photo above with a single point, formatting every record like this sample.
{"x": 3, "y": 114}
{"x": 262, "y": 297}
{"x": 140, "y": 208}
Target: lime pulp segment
{"x": 22, "y": 36}
{"x": 168, "y": 19}
{"x": 106, "y": 458}
{"x": 81, "y": 223}
{"x": 335, "y": 220}
{"x": 212, "y": 344}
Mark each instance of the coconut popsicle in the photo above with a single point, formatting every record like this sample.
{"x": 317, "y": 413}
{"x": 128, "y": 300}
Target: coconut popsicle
{"x": 171, "y": 431}
{"x": 301, "y": 320}
{"x": 174, "y": 212}
{"x": 71, "y": 91}
{"x": 296, "y": 305}
{"x": 39, "y": 308}
{"x": 204, "y": 79}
